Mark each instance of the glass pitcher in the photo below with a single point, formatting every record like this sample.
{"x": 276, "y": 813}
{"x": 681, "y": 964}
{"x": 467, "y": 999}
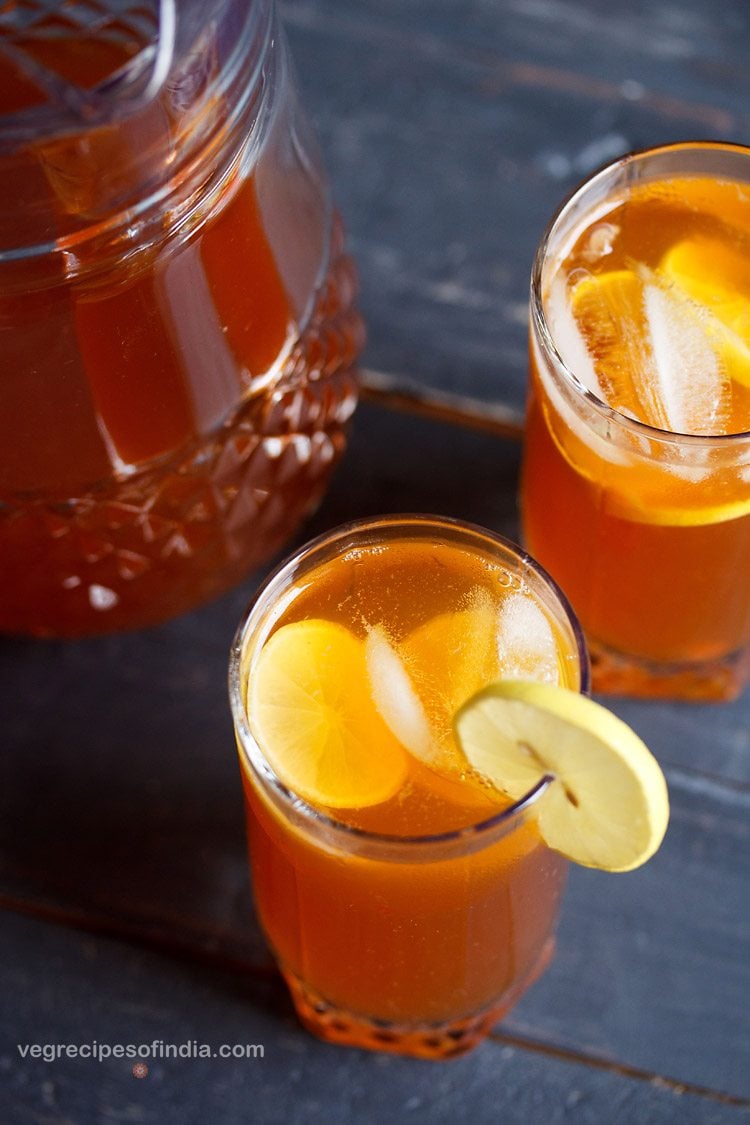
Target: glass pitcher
{"x": 177, "y": 330}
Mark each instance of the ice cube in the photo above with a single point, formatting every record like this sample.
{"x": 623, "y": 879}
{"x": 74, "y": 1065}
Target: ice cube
{"x": 690, "y": 393}
{"x": 603, "y": 447}
{"x": 569, "y": 339}
{"x": 526, "y": 645}
{"x": 395, "y": 698}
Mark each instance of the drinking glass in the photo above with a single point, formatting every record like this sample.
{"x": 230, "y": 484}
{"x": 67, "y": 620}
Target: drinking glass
{"x": 410, "y": 943}
{"x": 646, "y": 530}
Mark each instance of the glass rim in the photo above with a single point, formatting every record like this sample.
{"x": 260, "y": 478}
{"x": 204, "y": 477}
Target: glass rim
{"x": 275, "y": 582}
{"x": 227, "y": 117}
{"x": 110, "y": 99}
{"x": 539, "y": 317}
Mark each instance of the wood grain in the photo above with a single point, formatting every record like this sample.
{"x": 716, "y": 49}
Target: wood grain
{"x": 132, "y": 997}
{"x": 452, "y": 129}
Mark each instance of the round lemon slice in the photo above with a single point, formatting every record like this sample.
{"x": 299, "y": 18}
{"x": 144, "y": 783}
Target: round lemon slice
{"x": 310, "y": 708}
{"x": 607, "y": 805}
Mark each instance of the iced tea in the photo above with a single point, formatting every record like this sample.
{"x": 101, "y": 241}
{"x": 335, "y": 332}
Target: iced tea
{"x": 636, "y": 478}
{"x": 414, "y": 921}
{"x": 177, "y": 331}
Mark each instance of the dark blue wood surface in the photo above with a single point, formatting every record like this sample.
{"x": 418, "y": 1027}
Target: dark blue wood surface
{"x": 451, "y": 130}
{"x": 454, "y": 128}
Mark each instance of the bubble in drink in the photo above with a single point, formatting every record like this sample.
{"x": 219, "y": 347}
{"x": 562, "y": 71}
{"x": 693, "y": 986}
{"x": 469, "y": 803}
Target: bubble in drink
{"x": 600, "y": 241}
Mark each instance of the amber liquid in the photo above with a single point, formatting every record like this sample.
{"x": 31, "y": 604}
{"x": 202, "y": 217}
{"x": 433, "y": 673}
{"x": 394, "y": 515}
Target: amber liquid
{"x": 169, "y": 409}
{"x": 637, "y": 547}
{"x": 397, "y": 942}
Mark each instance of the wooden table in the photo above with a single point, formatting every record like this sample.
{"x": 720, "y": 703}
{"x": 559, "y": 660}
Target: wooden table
{"x": 451, "y": 129}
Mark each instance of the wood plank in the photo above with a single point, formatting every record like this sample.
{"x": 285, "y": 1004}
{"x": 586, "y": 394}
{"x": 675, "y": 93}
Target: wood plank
{"x": 689, "y": 62}
{"x": 104, "y": 992}
{"x": 652, "y": 966}
{"x": 396, "y": 393}
{"x": 452, "y": 132}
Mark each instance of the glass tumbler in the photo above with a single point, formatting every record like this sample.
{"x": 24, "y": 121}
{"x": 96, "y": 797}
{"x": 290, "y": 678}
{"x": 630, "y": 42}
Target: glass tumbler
{"x": 398, "y": 930}
{"x": 647, "y": 529}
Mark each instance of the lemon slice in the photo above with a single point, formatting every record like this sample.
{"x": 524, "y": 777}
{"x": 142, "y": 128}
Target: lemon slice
{"x": 310, "y": 708}
{"x": 449, "y": 658}
{"x": 673, "y": 516}
{"x": 717, "y": 277}
{"x": 610, "y": 314}
{"x": 660, "y": 356}
{"x": 607, "y": 806}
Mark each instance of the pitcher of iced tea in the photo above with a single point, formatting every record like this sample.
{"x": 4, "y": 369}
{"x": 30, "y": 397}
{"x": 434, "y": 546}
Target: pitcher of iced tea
{"x": 177, "y": 330}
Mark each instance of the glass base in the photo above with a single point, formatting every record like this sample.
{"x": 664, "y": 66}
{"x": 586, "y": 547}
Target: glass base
{"x": 444, "y": 1040}
{"x": 715, "y": 681}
